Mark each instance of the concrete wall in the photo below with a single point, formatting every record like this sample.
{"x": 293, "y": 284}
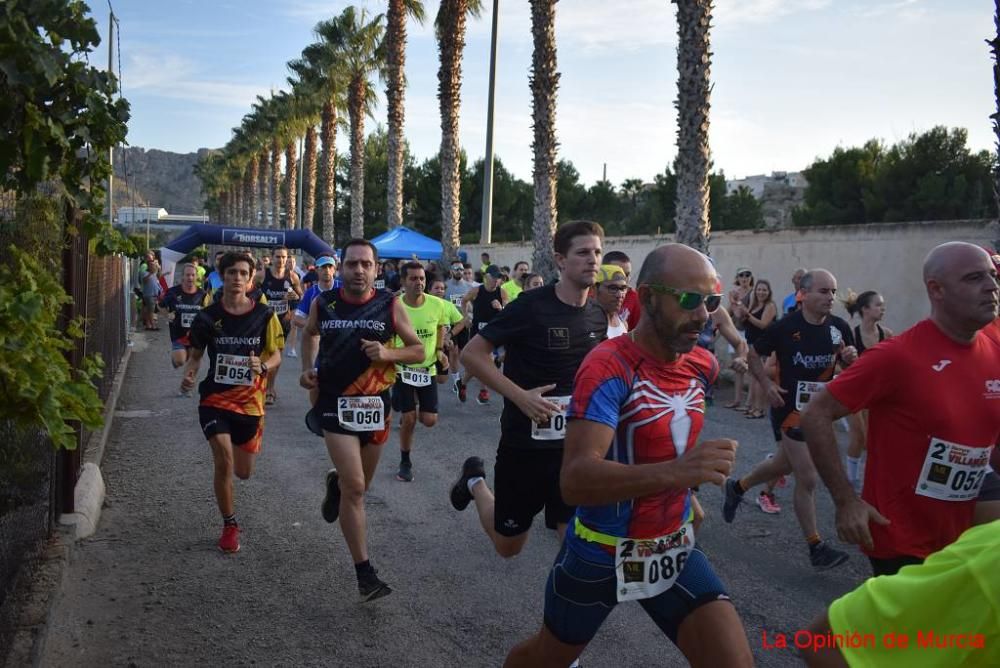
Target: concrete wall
{"x": 885, "y": 257}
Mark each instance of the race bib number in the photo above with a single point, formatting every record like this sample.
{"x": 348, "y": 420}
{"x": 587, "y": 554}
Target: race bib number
{"x": 361, "y": 413}
{"x": 554, "y": 428}
{"x": 415, "y": 376}
{"x": 279, "y": 307}
{"x": 648, "y": 567}
{"x": 233, "y": 370}
{"x": 457, "y": 301}
{"x": 953, "y": 472}
{"x": 480, "y": 326}
{"x": 805, "y": 390}
{"x": 187, "y": 318}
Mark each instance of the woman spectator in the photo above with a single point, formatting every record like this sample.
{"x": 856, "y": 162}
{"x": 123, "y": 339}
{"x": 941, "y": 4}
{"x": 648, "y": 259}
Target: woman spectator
{"x": 532, "y": 281}
{"x": 610, "y": 294}
{"x": 739, "y": 302}
{"x": 871, "y": 307}
{"x": 761, "y": 313}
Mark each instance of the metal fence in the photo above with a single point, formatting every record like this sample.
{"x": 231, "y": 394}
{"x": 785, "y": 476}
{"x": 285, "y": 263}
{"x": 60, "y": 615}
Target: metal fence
{"x": 36, "y": 482}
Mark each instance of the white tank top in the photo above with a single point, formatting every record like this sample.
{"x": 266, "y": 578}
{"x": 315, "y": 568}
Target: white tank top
{"x": 621, "y": 328}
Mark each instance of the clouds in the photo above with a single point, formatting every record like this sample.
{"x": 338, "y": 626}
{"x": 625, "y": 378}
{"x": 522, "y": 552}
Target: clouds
{"x": 162, "y": 74}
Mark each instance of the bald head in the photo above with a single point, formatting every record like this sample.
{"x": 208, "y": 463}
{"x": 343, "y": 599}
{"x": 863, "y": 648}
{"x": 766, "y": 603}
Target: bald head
{"x": 677, "y": 265}
{"x": 950, "y": 259}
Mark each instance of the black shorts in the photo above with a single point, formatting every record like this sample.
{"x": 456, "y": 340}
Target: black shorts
{"x": 525, "y": 482}
{"x": 406, "y": 398}
{"x": 891, "y": 566}
{"x": 326, "y": 408}
{"x": 245, "y": 431}
{"x": 785, "y": 421}
{"x": 990, "y": 491}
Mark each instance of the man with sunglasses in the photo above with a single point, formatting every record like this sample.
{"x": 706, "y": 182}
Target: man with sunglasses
{"x": 810, "y": 343}
{"x": 632, "y": 456}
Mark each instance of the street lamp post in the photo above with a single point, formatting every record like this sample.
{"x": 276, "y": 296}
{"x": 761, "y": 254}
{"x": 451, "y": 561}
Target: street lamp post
{"x": 486, "y": 230}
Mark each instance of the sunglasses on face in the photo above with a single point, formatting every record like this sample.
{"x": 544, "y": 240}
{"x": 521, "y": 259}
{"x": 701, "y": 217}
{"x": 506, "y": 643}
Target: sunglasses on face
{"x": 744, "y": 274}
{"x": 688, "y": 301}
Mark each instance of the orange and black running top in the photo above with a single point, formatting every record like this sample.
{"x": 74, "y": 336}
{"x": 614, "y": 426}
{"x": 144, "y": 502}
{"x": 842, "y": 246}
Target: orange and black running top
{"x": 185, "y": 307}
{"x": 228, "y": 340}
{"x": 342, "y": 366}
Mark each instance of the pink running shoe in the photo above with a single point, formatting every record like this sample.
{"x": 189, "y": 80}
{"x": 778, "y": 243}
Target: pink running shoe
{"x": 230, "y": 540}
{"x": 768, "y": 504}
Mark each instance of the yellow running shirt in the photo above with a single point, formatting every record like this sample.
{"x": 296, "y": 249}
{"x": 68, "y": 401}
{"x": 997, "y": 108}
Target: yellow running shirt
{"x": 426, "y": 319}
{"x": 948, "y": 609}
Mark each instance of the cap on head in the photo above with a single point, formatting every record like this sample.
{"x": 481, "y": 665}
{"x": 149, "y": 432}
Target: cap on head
{"x": 610, "y": 272}
{"x": 493, "y": 271}
{"x": 326, "y": 260}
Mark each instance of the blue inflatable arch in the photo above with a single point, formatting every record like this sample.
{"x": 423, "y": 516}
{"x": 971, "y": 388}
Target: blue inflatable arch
{"x": 219, "y": 235}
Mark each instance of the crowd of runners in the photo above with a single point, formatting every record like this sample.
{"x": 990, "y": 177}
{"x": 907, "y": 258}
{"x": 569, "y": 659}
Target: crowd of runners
{"x": 605, "y": 379}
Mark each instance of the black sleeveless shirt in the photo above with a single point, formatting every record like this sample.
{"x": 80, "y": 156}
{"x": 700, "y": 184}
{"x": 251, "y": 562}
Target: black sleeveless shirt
{"x": 342, "y": 366}
{"x": 482, "y": 308}
{"x": 860, "y": 344}
{"x": 276, "y": 291}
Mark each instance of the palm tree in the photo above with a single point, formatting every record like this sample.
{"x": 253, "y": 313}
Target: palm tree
{"x": 544, "y": 83}
{"x": 995, "y": 116}
{"x": 357, "y": 41}
{"x": 450, "y": 28}
{"x": 694, "y": 64}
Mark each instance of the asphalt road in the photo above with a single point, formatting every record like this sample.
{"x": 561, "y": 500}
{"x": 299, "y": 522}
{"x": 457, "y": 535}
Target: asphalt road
{"x": 151, "y": 588}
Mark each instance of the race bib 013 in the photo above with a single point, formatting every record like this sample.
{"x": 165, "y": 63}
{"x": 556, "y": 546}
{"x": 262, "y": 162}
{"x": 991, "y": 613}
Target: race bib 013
{"x": 953, "y": 472}
{"x": 361, "y": 413}
{"x": 415, "y": 376}
{"x": 233, "y": 370}
{"x": 554, "y": 428}
{"x": 645, "y": 568}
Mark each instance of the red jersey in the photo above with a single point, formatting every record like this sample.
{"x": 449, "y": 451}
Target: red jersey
{"x": 993, "y": 330}
{"x": 630, "y": 309}
{"x": 933, "y": 418}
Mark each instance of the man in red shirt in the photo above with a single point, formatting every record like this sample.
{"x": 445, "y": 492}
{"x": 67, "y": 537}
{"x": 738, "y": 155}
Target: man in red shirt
{"x": 933, "y": 400}
{"x": 630, "y": 307}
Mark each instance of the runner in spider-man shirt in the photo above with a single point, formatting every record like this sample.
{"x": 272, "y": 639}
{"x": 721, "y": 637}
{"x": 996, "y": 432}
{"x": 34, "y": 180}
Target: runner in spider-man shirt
{"x": 631, "y": 456}
{"x": 933, "y": 400}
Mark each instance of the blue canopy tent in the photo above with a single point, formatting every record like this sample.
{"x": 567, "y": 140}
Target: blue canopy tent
{"x": 404, "y": 243}
{"x": 199, "y": 234}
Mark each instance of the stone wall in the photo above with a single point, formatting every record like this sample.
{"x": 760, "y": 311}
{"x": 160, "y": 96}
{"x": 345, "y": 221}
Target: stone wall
{"x": 886, "y": 257}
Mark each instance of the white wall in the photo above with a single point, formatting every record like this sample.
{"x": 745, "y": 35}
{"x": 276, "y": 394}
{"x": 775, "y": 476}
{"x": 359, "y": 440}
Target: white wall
{"x": 886, "y": 257}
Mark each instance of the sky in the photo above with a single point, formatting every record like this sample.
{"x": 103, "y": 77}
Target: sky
{"x": 792, "y": 79}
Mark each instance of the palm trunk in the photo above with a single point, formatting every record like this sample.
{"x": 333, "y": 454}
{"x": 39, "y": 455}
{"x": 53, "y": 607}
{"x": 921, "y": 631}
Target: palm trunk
{"x": 223, "y": 208}
{"x": 995, "y": 116}
{"x": 544, "y": 82}
{"x": 452, "y": 16}
{"x": 356, "y": 109}
{"x": 275, "y": 183}
{"x": 694, "y": 64}
{"x": 328, "y": 137}
{"x": 394, "y": 92}
{"x": 309, "y": 179}
{"x": 291, "y": 184}
{"x": 253, "y": 193}
{"x": 265, "y": 195}
{"x": 238, "y": 200}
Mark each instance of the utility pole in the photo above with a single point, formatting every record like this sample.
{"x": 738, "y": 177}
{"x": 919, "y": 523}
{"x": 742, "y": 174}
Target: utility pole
{"x": 111, "y": 151}
{"x": 486, "y": 229}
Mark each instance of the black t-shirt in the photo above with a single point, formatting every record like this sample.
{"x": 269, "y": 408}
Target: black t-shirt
{"x": 341, "y": 365}
{"x": 546, "y": 340}
{"x": 184, "y": 306}
{"x": 806, "y": 352}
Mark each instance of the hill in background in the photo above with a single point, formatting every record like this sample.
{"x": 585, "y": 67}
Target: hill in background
{"x": 158, "y": 178}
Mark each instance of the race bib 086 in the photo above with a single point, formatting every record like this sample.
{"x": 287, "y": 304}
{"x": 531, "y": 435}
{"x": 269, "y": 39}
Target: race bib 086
{"x": 233, "y": 370}
{"x": 645, "y": 568}
{"x": 953, "y": 472}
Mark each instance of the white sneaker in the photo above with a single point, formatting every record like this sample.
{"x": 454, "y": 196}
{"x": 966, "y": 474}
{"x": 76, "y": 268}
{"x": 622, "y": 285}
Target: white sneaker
{"x": 291, "y": 353}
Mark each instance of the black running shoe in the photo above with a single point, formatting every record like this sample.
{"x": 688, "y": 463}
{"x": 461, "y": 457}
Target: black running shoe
{"x": 370, "y": 587}
{"x": 313, "y": 422}
{"x": 460, "y": 494}
{"x": 331, "y": 502}
{"x": 405, "y": 472}
{"x": 462, "y": 391}
{"x": 731, "y": 500}
{"x": 823, "y": 557}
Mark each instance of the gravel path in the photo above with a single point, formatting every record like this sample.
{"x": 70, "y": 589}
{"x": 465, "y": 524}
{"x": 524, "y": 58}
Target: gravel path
{"x": 151, "y": 589}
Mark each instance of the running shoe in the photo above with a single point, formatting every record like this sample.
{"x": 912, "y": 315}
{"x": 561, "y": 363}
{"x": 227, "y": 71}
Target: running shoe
{"x": 291, "y": 353}
{"x": 823, "y": 557}
{"x": 462, "y": 391}
{"x": 483, "y": 398}
{"x": 230, "y": 540}
{"x": 405, "y": 472}
{"x": 460, "y": 494}
{"x": 454, "y": 386}
{"x": 767, "y": 503}
{"x": 781, "y": 482}
{"x": 730, "y": 500}
{"x": 371, "y": 587}
{"x": 331, "y": 502}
